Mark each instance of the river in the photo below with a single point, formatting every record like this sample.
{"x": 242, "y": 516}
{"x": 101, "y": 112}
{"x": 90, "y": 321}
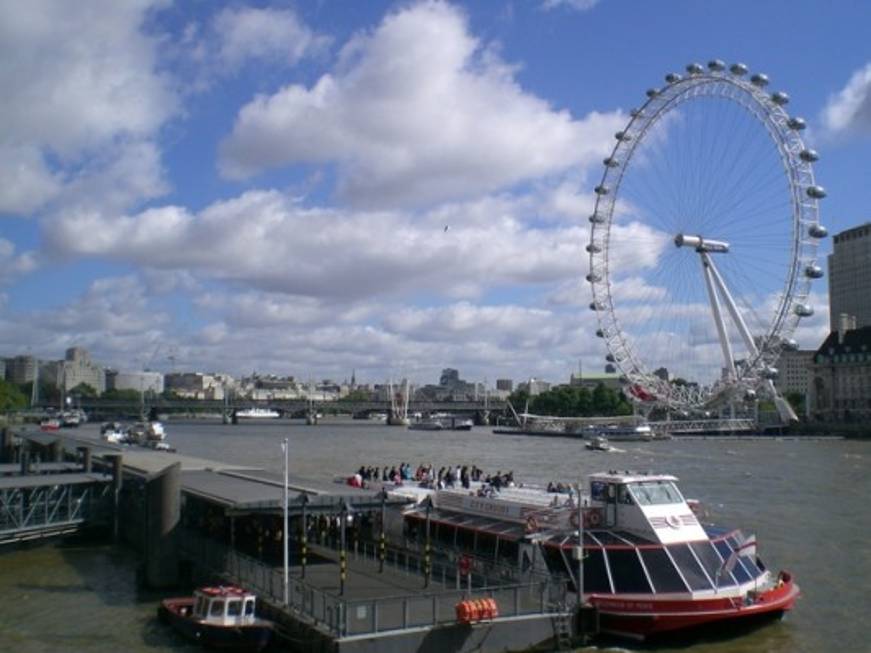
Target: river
{"x": 806, "y": 500}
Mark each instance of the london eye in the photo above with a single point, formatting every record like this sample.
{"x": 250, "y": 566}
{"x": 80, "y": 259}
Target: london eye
{"x": 703, "y": 241}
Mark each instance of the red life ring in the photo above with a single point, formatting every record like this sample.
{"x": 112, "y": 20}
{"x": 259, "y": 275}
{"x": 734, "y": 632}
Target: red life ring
{"x": 531, "y": 524}
{"x": 594, "y": 518}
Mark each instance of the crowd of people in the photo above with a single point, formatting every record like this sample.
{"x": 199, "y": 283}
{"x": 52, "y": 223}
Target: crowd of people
{"x": 427, "y": 476}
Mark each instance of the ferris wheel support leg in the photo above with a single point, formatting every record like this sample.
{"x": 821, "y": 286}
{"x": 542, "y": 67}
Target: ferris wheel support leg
{"x": 718, "y": 315}
{"x": 732, "y": 307}
{"x": 784, "y": 408}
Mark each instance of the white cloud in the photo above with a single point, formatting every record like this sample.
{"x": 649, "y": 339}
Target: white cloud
{"x": 13, "y": 265}
{"x": 849, "y": 111}
{"x": 269, "y": 241}
{"x": 576, "y": 5}
{"x": 418, "y": 111}
{"x": 84, "y": 79}
{"x": 272, "y": 35}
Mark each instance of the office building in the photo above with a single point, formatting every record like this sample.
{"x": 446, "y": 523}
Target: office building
{"x": 850, "y": 276}
{"x": 840, "y": 382}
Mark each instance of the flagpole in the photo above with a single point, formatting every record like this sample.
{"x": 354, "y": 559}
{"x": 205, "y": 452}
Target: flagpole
{"x": 286, "y": 566}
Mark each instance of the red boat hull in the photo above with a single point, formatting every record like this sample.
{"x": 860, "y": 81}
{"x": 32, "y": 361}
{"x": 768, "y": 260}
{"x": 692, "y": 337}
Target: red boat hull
{"x": 643, "y": 619}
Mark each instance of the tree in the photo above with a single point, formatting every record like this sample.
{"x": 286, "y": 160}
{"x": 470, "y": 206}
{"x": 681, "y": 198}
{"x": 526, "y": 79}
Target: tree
{"x": 11, "y": 397}
{"x": 122, "y": 395}
{"x": 84, "y": 390}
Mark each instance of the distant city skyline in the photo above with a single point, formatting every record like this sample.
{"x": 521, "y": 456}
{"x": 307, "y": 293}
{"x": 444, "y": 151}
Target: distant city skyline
{"x": 388, "y": 187}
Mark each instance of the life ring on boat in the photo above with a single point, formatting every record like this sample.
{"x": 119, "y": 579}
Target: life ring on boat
{"x": 593, "y": 518}
{"x": 531, "y": 524}
{"x": 673, "y": 521}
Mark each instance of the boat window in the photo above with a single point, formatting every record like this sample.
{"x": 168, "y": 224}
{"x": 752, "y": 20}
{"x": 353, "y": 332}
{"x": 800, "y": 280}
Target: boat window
{"x": 486, "y": 544}
{"x": 623, "y": 496}
{"x": 627, "y": 572}
{"x": 201, "y": 606}
{"x": 655, "y": 493}
{"x": 712, "y": 563}
{"x": 663, "y": 575}
{"x": 465, "y": 539}
{"x": 597, "y": 490}
{"x": 508, "y": 549}
{"x": 632, "y": 537}
{"x": 689, "y": 567}
{"x": 595, "y": 574}
{"x": 249, "y": 607}
{"x": 753, "y": 565}
{"x": 607, "y": 538}
{"x": 217, "y": 608}
{"x": 738, "y": 570}
{"x": 234, "y": 607}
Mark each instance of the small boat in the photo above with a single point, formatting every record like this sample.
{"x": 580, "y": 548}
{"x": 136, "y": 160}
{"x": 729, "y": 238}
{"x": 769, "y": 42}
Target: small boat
{"x": 113, "y": 433}
{"x": 49, "y": 425}
{"x": 598, "y": 443}
{"x": 220, "y": 617}
{"x": 614, "y": 433}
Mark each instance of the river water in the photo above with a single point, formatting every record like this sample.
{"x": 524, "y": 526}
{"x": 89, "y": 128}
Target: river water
{"x": 806, "y": 500}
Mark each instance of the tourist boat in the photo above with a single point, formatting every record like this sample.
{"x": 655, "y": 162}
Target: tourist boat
{"x": 650, "y": 566}
{"x": 598, "y": 443}
{"x": 143, "y": 432}
{"x": 257, "y": 413}
{"x": 614, "y": 433}
{"x": 113, "y": 433}
{"x": 220, "y": 617}
{"x": 442, "y": 422}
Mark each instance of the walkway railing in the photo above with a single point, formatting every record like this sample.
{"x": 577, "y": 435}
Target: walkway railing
{"x": 341, "y": 616}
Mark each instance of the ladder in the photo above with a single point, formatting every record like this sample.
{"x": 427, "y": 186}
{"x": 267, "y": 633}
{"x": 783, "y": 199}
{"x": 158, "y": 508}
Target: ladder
{"x": 562, "y": 630}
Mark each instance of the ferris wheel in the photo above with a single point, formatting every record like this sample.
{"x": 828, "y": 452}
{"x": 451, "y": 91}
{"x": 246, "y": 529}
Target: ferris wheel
{"x": 703, "y": 240}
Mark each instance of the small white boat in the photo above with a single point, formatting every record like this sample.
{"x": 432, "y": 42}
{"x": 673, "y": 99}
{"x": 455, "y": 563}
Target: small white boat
{"x": 598, "y": 443}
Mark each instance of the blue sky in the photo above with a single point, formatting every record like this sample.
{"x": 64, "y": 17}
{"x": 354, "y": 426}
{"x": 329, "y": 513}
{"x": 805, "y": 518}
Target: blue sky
{"x": 266, "y": 186}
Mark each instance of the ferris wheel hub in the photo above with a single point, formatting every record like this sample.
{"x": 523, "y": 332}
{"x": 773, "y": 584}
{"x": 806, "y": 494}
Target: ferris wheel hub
{"x": 701, "y": 244}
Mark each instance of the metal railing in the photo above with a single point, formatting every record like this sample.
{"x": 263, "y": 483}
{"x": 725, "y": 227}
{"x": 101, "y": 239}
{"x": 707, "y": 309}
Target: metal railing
{"x": 340, "y": 616}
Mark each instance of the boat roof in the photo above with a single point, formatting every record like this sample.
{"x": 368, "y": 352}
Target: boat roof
{"x": 225, "y": 591}
{"x": 504, "y": 529}
{"x": 615, "y": 476}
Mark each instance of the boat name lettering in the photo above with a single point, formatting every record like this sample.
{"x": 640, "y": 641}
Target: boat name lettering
{"x": 487, "y": 506}
{"x": 625, "y": 605}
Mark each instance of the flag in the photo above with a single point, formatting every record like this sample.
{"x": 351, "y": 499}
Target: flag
{"x": 748, "y": 548}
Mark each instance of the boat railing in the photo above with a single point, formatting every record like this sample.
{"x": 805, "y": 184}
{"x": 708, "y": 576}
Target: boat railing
{"x": 343, "y": 616}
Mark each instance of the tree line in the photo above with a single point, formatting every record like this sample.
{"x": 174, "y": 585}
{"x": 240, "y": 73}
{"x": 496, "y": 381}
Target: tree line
{"x": 573, "y": 401}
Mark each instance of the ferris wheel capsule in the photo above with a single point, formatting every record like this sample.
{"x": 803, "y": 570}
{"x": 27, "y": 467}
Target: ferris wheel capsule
{"x": 813, "y": 271}
{"x": 652, "y": 92}
{"x": 738, "y": 69}
{"x": 780, "y": 98}
{"x": 716, "y": 65}
{"x": 593, "y": 248}
{"x": 803, "y": 310}
{"x": 759, "y": 79}
{"x": 817, "y": 231}
{"x": 816, "y": 192}
{"x": 673, "y": 78}
{"x": 809, "y": 156}
{"x": 695, "y": 69}
{"x": 796, "y": 123}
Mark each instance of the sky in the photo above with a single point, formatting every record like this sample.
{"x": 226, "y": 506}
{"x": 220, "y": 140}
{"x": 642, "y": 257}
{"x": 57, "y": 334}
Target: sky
{"x": 311, "y": 188}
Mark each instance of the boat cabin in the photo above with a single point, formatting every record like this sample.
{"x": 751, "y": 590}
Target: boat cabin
{"x": 225, "y": 605}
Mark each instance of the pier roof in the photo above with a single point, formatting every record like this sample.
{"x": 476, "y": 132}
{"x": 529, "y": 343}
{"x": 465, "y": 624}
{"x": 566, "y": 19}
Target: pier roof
{"x": 39, "y": 480}
{"x": 259, "y": 491}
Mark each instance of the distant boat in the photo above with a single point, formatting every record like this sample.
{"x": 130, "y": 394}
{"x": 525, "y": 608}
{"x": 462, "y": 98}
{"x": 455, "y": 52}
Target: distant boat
{"x": 598, "y": 443}
{"x": 642, "y": 432}
{"x": 49, "y": 424}
{"x": 257, "y": 413}
{"x": 442, "y": 422}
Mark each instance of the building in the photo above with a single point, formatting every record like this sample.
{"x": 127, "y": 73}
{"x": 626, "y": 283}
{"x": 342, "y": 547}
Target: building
{"x": 794, "y": 372}
{"x": 506, "y": 385}
{"x": 146, "y": 382}
{"x": 534, "y": 386}
{"x": 850, "y": 276}
{"x": 195, "y": 385}
{"x": 590, "y": 381}
{"x": 77, "y": 368}
{"x": 21, "y": 369}
{"x": 840, "y": 383}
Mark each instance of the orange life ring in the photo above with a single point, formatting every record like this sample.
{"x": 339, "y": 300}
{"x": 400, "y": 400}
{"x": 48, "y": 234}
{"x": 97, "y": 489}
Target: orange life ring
{"x": 531, "y": 524}
{"x": 594, "y": 518}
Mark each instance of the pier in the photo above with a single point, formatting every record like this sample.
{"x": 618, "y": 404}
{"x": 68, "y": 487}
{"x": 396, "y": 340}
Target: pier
{"x": 196, "y": 521}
